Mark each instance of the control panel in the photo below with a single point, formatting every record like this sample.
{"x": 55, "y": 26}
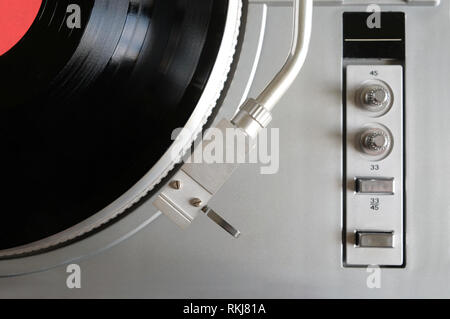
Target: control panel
{"x": 374, "y": 165}
{"x": 374, "y": 212}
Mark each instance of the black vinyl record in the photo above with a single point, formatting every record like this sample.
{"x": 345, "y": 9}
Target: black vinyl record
{"x": 86, "y": 110}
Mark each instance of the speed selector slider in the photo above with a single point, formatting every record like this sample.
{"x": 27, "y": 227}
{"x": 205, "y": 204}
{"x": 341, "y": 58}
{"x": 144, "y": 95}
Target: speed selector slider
{"x": 375, "y": 185}
{"x": 374, "y": 239}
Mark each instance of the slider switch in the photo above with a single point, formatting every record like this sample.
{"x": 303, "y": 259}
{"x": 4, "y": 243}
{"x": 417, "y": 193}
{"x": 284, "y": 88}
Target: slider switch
{"x": 374, "y": 239}
{"x": 375, "y": 186}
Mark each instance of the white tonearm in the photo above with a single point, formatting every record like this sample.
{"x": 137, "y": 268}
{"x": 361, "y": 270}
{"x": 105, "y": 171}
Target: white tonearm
{"x": 192, "y": 187}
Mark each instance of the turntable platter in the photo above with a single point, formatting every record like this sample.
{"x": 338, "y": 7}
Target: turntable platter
{"x": 88, "y": 108}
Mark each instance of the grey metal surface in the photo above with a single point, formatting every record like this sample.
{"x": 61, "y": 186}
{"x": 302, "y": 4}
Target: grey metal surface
{"x": 303, "y": 257}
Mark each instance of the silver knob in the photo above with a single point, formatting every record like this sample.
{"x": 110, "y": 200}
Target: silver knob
{"x": 375, "y": 97}
{"x": 375, "y": 141}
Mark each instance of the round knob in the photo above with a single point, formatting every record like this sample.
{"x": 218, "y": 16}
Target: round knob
{"x": 375, "y": 97}
{"x": 375, "y": 141}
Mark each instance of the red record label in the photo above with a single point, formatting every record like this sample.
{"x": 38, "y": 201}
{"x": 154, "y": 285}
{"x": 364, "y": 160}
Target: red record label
{"x": 16, "y": 17}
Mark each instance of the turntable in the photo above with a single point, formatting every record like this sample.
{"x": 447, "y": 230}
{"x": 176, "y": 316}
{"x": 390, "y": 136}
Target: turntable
{"x": 105, "y": 105}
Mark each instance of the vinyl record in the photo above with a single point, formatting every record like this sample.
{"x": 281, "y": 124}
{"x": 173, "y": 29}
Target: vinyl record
{"x": 90, "y": 93}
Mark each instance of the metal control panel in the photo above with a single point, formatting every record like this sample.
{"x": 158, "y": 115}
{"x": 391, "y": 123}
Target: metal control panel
{"x": 374, "y": 231}
{"x": 374, "y": 166}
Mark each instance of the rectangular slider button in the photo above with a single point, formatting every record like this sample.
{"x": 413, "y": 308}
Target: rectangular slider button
{"x": 374, "y": 239}
{"x": 375, "y": 186}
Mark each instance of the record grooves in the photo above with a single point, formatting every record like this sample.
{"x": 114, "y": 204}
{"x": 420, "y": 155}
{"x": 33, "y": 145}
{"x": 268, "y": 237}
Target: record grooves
{"x": 86, "y": 112}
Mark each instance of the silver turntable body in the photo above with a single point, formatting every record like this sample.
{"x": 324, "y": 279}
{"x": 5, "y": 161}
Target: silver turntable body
{"x": 297, "y": 225}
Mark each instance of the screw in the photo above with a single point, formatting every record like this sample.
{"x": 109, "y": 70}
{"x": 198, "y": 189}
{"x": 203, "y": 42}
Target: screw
{"x": 197, "y": 202}
{"x": 175, "y": 184}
